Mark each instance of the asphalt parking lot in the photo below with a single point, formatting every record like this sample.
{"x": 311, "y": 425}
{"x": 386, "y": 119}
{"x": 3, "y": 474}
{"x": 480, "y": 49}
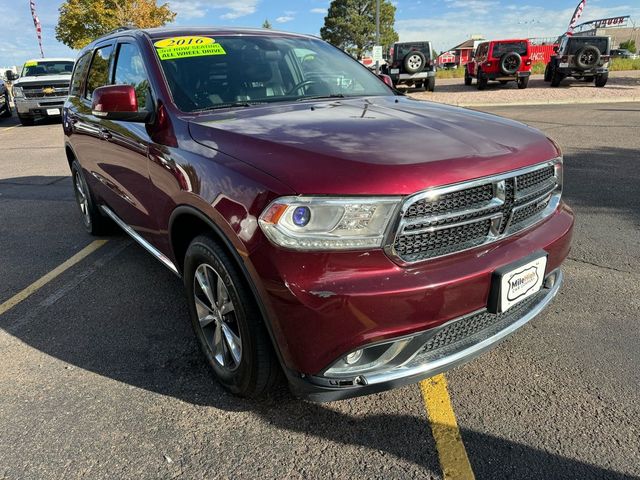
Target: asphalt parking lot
{"x": 100, "y": 376}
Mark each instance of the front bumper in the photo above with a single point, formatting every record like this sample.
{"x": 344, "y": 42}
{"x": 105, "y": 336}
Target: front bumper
{"x": 321, "y": 306}
{"x": 436, "y": 350}
{"x": 39, "y": 106}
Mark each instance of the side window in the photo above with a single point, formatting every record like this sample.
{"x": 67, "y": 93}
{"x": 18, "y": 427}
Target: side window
{"x": 99, "y": 71}
{"x": 130, "y": 71}
{"x": 82, "y": 65}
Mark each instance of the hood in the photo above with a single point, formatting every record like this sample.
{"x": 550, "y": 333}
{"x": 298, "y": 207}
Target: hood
{"x": 379, "y": 145}
{"x": 43, "y": 80}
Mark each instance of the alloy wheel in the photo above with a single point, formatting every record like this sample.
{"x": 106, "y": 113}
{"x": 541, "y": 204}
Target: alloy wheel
{"x": 82, "y": 198}
{"x": 216, "y": 317}
{"x": 415, "y": 61}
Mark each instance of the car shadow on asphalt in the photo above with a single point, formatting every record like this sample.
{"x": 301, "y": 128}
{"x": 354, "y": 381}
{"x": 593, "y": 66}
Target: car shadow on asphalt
{"x": 122, "y": 315}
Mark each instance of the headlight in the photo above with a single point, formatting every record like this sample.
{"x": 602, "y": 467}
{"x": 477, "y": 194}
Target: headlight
{"x": 328, "y": 223}
{"x": 17, "y": 92}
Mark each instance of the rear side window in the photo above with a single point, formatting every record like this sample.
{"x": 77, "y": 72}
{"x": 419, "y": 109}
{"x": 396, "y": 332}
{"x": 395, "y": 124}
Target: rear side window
{"x": 130, "y": 71}
{"x": 99, "y": 71}
{"x": 501, "y": 48}
{"x": 82, "y": 65}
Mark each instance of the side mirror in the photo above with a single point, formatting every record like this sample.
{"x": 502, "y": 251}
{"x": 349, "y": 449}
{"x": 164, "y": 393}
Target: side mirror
{"x": 117, "y": 102}
{"x": 10, "y": 76}
{"x": 555, "y": 48}
{"x": 386, "y": 79}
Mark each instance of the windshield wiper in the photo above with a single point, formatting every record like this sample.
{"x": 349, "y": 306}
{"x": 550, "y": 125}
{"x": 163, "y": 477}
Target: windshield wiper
{"x": 229, "y": 105}
{"x": 320, "y": 97}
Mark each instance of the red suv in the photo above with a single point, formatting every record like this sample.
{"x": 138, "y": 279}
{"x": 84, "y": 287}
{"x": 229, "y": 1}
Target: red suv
{"x": 256, "y": 166}
{"x": 501, "y": 60}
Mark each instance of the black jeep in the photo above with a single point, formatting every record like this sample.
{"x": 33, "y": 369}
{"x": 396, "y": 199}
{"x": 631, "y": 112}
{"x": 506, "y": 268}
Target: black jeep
{"x": 412, "y": 64}
{"x": 581, "y": 57}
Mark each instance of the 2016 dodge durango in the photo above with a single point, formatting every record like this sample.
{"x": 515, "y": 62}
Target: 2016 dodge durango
{"x": 324, "y": 225}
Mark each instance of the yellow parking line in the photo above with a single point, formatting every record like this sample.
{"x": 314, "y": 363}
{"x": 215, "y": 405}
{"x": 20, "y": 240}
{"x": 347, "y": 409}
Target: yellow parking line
{"x": 42, "y": 281}
{"x": 9, "y": 128}
{"x": 451, "y": 452}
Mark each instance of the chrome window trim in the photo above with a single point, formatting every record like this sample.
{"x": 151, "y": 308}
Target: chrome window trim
{"x": 397, "y": 226}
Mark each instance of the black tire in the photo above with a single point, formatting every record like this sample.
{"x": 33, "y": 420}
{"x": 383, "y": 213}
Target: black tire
{"x": 510, "y": 63}
{"x": 7, "y": 106}
{"x": 93, "y": 220}
{"x": 556, "y": 77}
{"x": 587, "y": 57}
{"x": 430, "y": 84}
{"x": 601, "y": 80}
{"x": 257, "y": 370}
{"x": 414, "y": 62}
{"x": 482, "y": 80}
{"x": 26, "y": 120}
{"x": 468, "y": 80}
{"x": 547, "y": 72}
{"x": 523, "y": 82}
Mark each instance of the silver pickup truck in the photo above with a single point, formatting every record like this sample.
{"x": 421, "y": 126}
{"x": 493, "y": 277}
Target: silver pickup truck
{"x": 42, "y": 88}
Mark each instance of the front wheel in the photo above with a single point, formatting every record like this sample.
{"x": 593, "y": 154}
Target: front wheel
{"x": 26, "y": 121}
{"x": 601, "y": 80}
{"x": 7, "y": 106}
{"x": 482, "y": 81}
{"x": 227, "y": 322}
{"x": 523, "y": 82}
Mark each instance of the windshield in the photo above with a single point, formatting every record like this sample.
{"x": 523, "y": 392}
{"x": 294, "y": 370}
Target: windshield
{"x": 45, "y": 67}
{"x": 501, "y": 48}
{"x": 576, "y": 43}
{"x": 205, "y": 73}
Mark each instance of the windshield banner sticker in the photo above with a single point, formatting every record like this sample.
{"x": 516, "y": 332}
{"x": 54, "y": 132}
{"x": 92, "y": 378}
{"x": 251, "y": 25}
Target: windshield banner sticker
{"x": 183, "y": 47}
{"x": 32, "y": 63}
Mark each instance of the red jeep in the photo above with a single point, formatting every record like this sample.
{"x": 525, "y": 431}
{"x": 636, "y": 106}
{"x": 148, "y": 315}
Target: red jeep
{"x": 501, "y": 60}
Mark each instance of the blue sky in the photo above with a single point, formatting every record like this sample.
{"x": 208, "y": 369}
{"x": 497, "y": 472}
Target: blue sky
{"x": 445, "y": 22}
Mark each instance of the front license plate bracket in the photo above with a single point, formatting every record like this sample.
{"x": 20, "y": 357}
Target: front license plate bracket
{"x": 527, "y": 269}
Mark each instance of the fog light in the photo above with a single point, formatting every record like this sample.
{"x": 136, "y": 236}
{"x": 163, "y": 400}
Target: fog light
{"x": 301, "y": 216}
{"x": 353, "y": 357}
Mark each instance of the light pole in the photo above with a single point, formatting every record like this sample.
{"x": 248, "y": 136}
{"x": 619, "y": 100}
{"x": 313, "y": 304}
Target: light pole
{"x": 377, "y": 33}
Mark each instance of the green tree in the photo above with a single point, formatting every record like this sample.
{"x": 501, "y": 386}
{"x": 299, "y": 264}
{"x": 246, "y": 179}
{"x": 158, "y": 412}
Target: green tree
{"x": 351, "y": 25}
{"x": 82, "y": 21}
{"x": 266, "y": 24}
{"x": 629, "y": 45}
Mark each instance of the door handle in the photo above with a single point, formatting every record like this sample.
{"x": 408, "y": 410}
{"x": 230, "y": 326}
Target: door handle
{"x": 105, "y": 134}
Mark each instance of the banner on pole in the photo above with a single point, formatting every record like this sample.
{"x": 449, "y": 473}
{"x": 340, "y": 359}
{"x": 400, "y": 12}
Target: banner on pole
{"x": 36, "y": 24}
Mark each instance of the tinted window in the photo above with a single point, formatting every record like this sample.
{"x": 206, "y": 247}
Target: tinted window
{"x": 39, "y": 68}
{"x": 576, "y": 43}
{"x": 79, "y": 73}
{"x": 501, "y": 48}
{"x": 99, "y": 71}
{"x": 256, "y": 69}
{"x": 130, "y": 71}
{"x": 483, "y": 48}
{"x": 403, "y": 49}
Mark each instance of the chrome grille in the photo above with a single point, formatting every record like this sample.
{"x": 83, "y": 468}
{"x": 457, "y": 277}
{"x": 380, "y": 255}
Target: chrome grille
{"x": 446, "y": 220}
{"x": 46, "y": 91}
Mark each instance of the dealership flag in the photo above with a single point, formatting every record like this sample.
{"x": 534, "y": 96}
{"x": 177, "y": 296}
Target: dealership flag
{"x": 36, "y": 23}
{"x": 576, "y": 16}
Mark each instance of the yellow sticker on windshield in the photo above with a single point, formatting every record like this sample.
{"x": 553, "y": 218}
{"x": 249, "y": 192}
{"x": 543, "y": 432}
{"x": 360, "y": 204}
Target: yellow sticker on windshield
{"x": 32, "y": 63}
{"x": 183, "y": 47}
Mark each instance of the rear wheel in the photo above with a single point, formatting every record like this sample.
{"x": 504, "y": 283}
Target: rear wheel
{"x": 227, "y": 322}
{"x": 430, "y": 84}
{"x": 94, "y": 222}
{"x": 601, "y": 80}
{"x": 556, "y": 77}
{"x": 467, "y": 78}
{"x": 523, "y": 82}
